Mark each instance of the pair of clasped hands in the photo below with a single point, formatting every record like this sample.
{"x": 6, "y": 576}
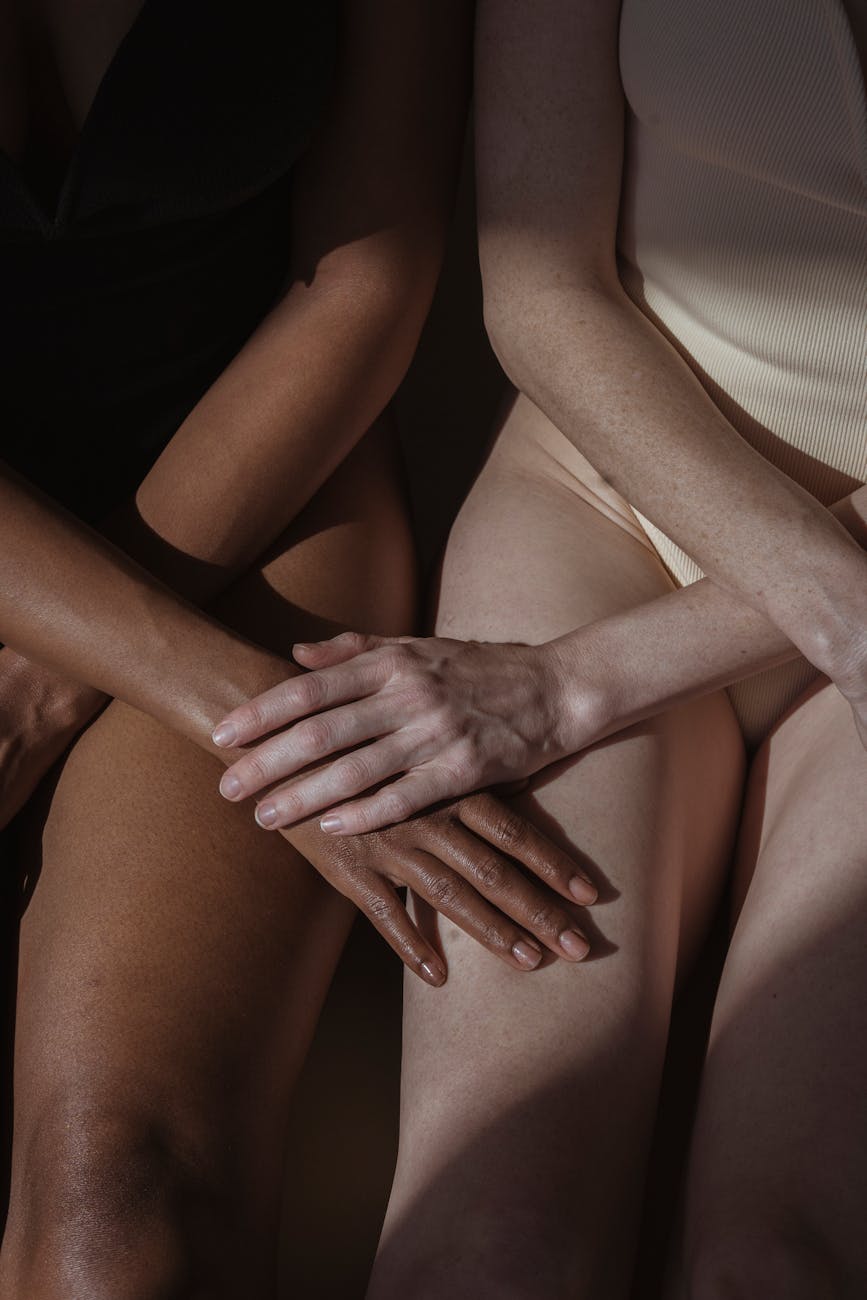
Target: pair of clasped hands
{"x": 379, "y": 729}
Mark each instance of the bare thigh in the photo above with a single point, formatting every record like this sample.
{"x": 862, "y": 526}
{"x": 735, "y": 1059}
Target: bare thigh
{"x": 173, "y": 959}
{"x": 528, "y": 1102}
{"x": 778, "y": 1177}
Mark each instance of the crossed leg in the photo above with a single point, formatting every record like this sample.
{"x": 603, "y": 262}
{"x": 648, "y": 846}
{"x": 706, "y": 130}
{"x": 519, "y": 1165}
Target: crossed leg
{"x": 528, "y": 1102}
{"x": 778, "y": 1174}
{"x": 173, "y": 959}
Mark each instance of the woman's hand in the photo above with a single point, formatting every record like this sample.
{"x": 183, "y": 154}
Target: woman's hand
{"x": 40, "y": 712}
{"x": 466, "y": 861}
{"x": 445, "y": 716}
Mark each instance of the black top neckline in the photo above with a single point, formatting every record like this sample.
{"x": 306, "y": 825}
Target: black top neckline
{"x": 52, "y": 220}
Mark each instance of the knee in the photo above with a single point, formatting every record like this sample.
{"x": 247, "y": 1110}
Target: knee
{"x": 765, "y": 1263}
{"x": 110, "y": 1204}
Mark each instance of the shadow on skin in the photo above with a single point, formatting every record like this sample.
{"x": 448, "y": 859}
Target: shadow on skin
{"x": 451, "y": 1195}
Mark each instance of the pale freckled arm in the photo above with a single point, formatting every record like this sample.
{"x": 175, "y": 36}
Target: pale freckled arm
{"x": 549, "y": 156}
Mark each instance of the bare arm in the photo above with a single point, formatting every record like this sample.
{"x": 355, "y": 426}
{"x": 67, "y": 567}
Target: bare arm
{"x": 672, "y": 649}
{"x": 134, "y": 639}
{"x": 371, "y": 202}
{"x": 784, "y": 573}
{"x": 75, "y": 603}
{"x": 459, "y": 715}
{"x": 550, "y": 122}
{"x": 371, "y": 212}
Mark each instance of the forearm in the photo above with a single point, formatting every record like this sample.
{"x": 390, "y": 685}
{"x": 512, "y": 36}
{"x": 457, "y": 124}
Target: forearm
{"x": 615, "y": 386}
{"x": 259, "y": 443}
{"x": 679, "y": 646}
{"x": 73, "y": 602}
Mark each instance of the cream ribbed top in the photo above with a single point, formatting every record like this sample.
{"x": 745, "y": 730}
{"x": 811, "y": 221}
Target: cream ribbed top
{"x": 743, "y": 235}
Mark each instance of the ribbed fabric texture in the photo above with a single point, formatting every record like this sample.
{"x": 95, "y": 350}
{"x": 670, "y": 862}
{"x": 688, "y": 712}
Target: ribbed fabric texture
{"x": 743, "y": 235}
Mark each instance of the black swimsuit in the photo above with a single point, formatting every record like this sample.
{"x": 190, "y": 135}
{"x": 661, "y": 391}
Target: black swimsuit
{"x": 168, "y": 243}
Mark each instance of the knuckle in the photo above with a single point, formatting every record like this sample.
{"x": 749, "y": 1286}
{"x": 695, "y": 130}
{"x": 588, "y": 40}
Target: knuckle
{"x": 252, "y": 719}
{"x": 492, "y": 937}
{"x": 395, "y": 658}
{"x": 465, "y": 765}
{"x": 443, "y": 891}
{"x": 353, "y": 771}
{"x": 351, "y": 862}
{"x": 310, "y": 692}
{"x": 289, "y": 803}
{"x": 254, "y": 771}
{"x": 509, "y": 830}
{"x": 491, "y": 874}
{"x": 419, "y": 695}
{"x": 379, "y": 907}
{"x": 314, "y": 735}
{"x": 395, "y": 807}
{"x": 544, "y": 918}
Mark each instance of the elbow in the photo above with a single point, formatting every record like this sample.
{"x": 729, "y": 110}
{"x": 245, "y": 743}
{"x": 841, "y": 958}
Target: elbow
{"x": 508, "y": 331}
{"x": 533, "y": 317}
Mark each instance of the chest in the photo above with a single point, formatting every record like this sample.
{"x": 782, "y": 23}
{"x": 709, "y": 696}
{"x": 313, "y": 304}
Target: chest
{"x": 53, "y": 57}
{"x": 137, "y": 111}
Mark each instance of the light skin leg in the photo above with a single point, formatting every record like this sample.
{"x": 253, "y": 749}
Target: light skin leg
{"x": 777, "y": 1184}
{"x": 173, "y": 959}
{"x": 527, "y": 1105}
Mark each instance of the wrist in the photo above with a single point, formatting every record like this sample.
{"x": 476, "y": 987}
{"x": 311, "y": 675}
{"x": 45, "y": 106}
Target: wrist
{"x": 58, "y": 703}
{"x": 582, "y": 691}
{"x": 835, "y": 640}
{"x": 820, "y": 603}
{"x": 242, "y": 671}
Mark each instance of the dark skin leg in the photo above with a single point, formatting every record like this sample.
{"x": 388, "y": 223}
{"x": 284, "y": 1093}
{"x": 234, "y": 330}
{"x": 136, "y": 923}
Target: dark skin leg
{"x": 173, "y": 960}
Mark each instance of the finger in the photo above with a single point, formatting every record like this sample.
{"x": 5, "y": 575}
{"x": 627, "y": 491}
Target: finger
{"x": 513, "y": 834}
{"x": 452, "y": 896}
{"x": 310, "y": 741}
{"x": 427, "y": 784}
{"x": 359, "y": 770}
{"x": 336, "y": 650}
{"x": 528, "y": 904}
{"x": 295, "y": 698}
{"x": 380, "y": 903}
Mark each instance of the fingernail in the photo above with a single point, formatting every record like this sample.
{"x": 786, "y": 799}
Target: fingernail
{"x": 302, "y": 646}
{"x": 527, "y": 953}
{"x": 266, "y": 815}
{"x": 583, "y": 890}
{"x": 230, "y": 787}
{"x": 331, "y": 823}
{"x": 433, "y": 972}
{"x": 225, "y": 734}
{"x": 574, "y": 944}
